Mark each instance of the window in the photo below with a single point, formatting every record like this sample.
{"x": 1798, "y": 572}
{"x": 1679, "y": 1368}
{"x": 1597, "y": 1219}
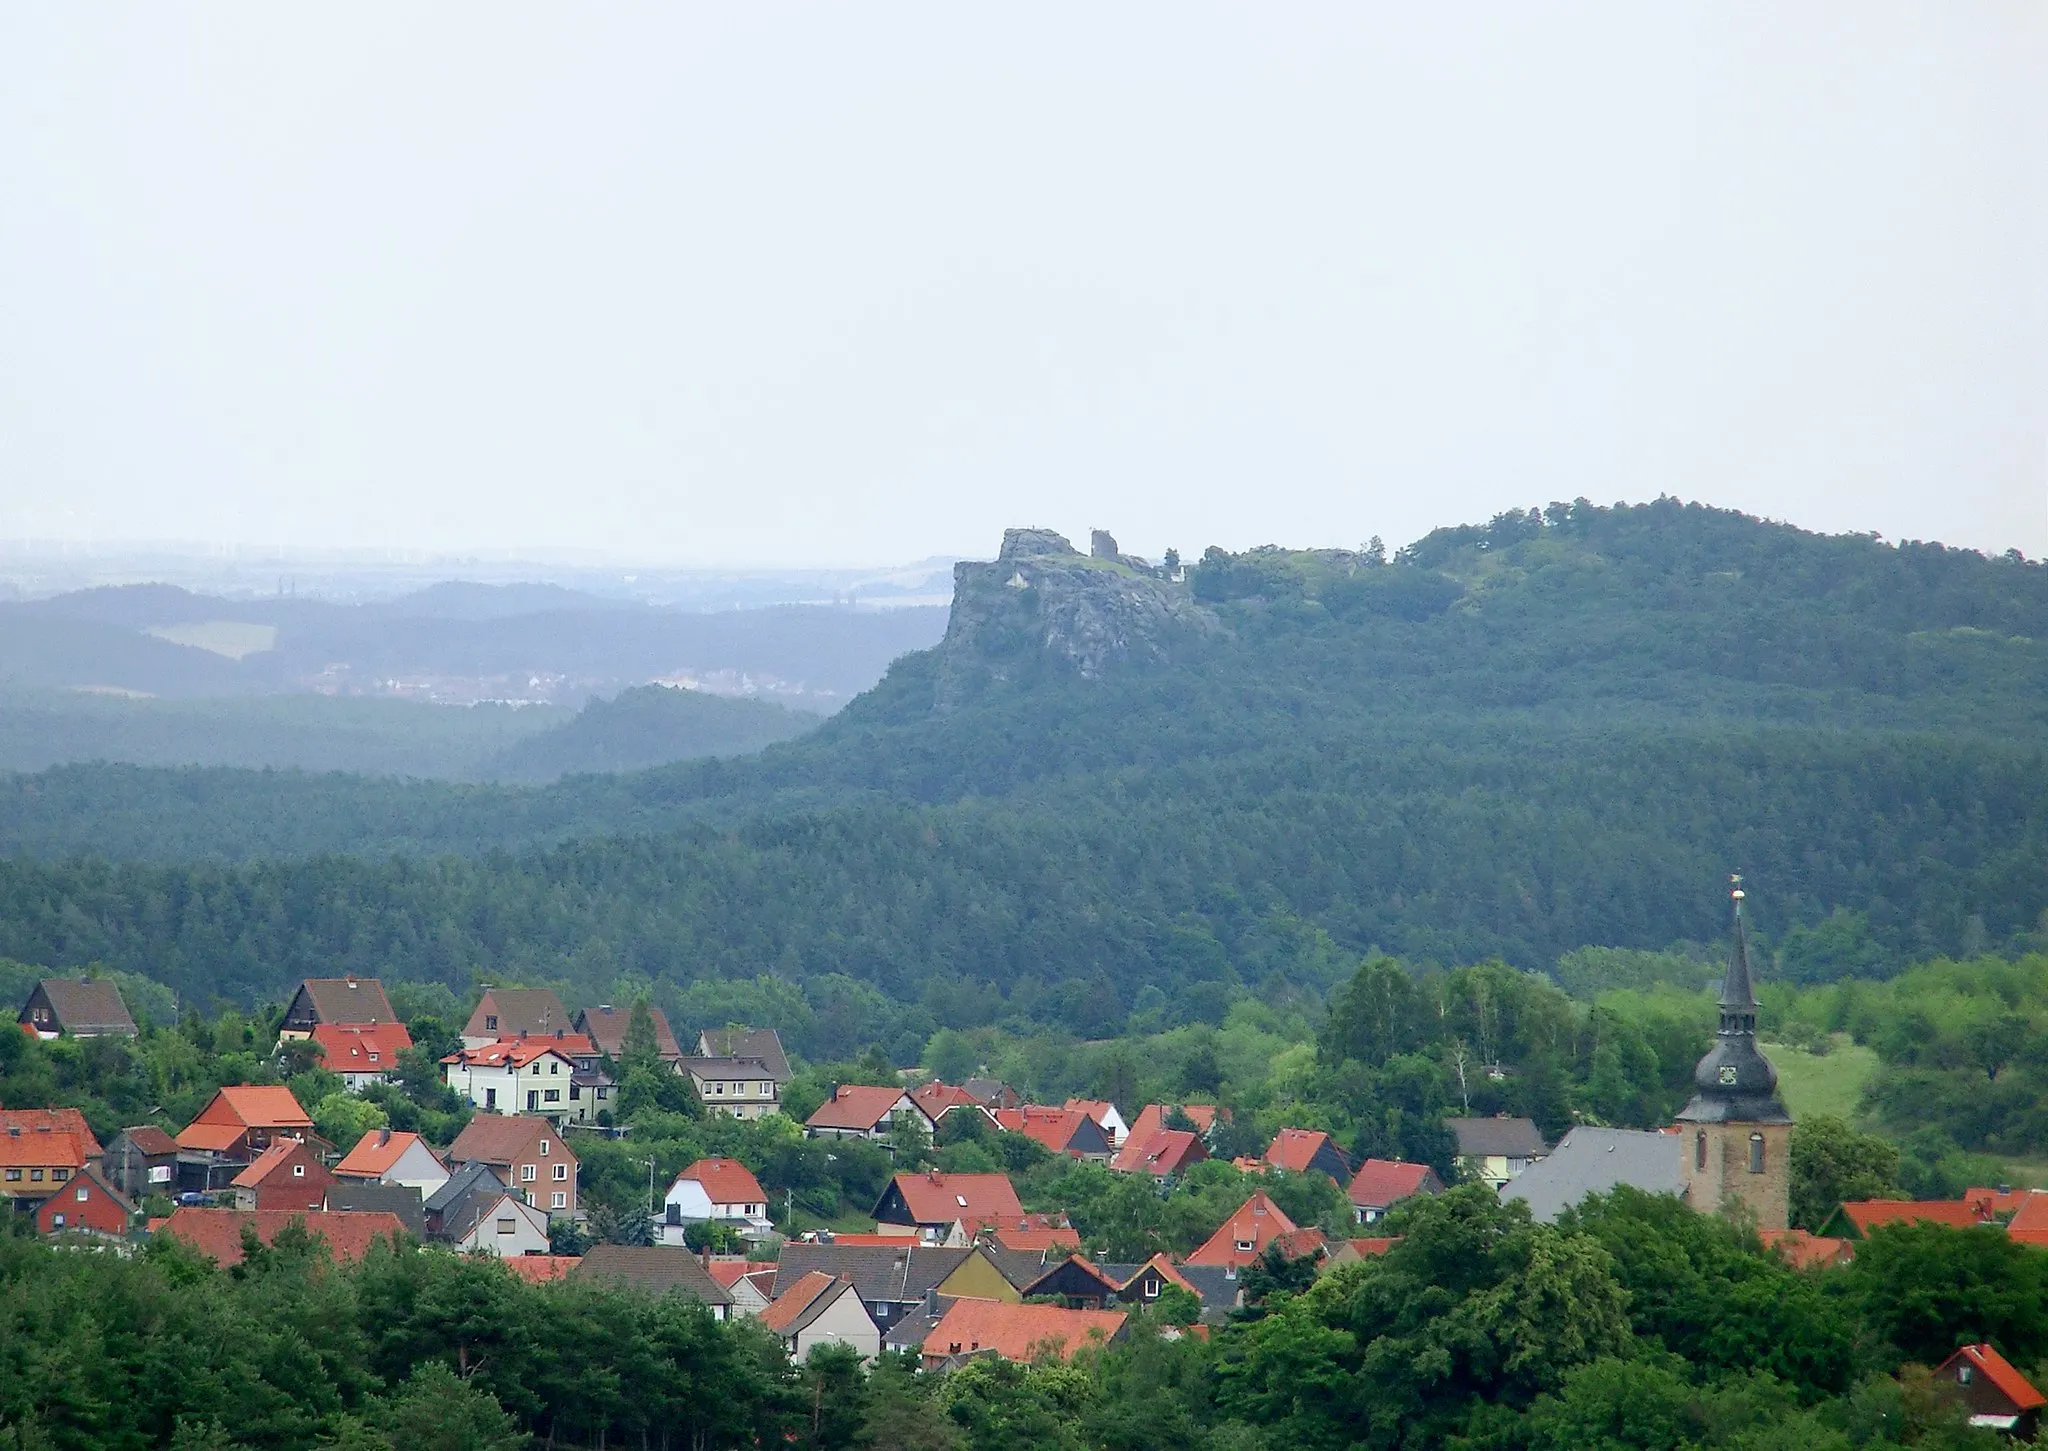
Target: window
{"x": 1243, "y": 1246}
{"x": 528, "y": 1173}
{"x": 298, "y": 1171}
{"x": 533, "y": 1098}
{"x": 718, "y": 1089}
{"x": 83, "y": 1194}
{"x": 558, "y": 1200}
{"x": 543, "y": 1148}
{"x": 1756, "y": 1153}
{"x": 35, "y": 1176}
{"x": 490, "y": 1022}
{"x": 491, "y": 1098}
{"x": 1964, "y": 1373}
{"x": 561, "y": 1173}
{"x": 1151, "y": 1289}
{"x": 14, "y": 1176}
{"x": 508, "y": 1226}
{"x": 554, "y": 1065}
{"x": 56, "y": 1221}
{"x": 1699, "y": 1150}
{"x": 60, "y": 1175}
{"x": 554, "y": 1095}
{"x": 575, "y": 1091}
{"x": 373, "y": 1055}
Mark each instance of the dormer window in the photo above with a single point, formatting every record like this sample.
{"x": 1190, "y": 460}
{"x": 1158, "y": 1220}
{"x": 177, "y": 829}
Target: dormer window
{"x": 1244, "y": 1246}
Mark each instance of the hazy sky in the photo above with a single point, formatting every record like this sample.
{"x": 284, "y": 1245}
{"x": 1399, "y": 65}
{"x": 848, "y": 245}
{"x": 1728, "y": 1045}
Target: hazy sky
{"x": 857, "y": 283}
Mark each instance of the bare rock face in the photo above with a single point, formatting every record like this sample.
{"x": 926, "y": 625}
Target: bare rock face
{"x": 1041, "y": 597}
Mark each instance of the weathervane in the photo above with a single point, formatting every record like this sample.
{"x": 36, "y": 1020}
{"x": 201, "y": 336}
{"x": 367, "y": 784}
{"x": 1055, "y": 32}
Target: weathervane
{"x": 1735, "y": 885}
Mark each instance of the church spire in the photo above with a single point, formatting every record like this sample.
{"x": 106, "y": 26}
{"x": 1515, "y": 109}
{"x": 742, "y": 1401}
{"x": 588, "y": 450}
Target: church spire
{"x": 1738, "y": 991}
{"x": 1736, "y": 1082}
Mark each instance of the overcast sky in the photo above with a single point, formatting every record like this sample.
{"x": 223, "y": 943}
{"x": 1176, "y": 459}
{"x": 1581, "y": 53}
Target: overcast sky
{"x": 857, "y": 283}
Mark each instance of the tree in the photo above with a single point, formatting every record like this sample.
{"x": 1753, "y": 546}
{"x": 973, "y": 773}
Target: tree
{"x": 440, "y": 1411}
{"x": 1832, "y": 1163}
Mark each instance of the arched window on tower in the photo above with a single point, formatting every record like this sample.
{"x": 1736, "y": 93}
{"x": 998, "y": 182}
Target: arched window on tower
{"x": 1756, "y": 1153}
{"x": 1699, "y": 1150}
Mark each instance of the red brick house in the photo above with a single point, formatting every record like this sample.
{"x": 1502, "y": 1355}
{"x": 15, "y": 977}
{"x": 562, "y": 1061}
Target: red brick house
{"x": 87, "y": 1204}
{"x": 287, "y": 1175}
{"x": 527, "y": 1154}
{"x": 239, "y": 1123}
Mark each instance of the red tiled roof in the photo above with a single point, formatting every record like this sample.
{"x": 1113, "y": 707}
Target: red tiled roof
{"x": 1053, "y": 1127}
{"x": 1380, "y": 1182}
{"x": 1867, "y": 1214}
{"x": 1152, "y": 1118}
{"x": 1372, "y": 1245}
{"x": 40, "y": 1149}
{"x": 730, "y": 1272}
{"x": 1308, "y": 1240}
{"x": 58, "y": 1120}
{"x": 375, "y": 1153}
{"x": 935, "y": 1198}
{"x": 793, "y": 1301}
{"x": 518, "y": 1052}
{"x": 1168, "y": 1151}
{"x": 1998, "y": 1201}
{"x": 239, "y": 1108}
{"x": 2029, "y": 1223}
{"x": 1257, "y": 1222}
{"x": 217, "y": 1233}
{"x": 1035, "y": 1240}
{"x": 361, "y": 1047}
{"x": 1163, "y": 1267}
{"x": 938, "y": 1099}
{"x": 1999, "y": 1371}
{"x": 1292, "y": 1149}
{"x": 725, "y": 1181}
{"x": 855, "y": 1106}
{"x": 270, "y": 1161}
{"x": 1803, "y": 1251}
{"x": 1019, "y": 1332}
{"x": 539, "y": 1269}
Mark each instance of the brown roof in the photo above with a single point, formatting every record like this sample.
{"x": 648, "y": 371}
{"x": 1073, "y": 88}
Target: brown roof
{"x": 492, "y": 1138}
{"x": 270, "y": 1161}
{"x": 855, "y": 1106}
{"x": 656, "y": 1269}
{"x": 1292, "y": 1149}
{"x": 1052, "y": 1127}
{"x": 88, "y": 1006}
{"x": 518, "y": 1010}
{"x": 725, "y": 1181}
{"x": 217, "y": 1233}
{"x": 348, "y": 1000}
{"x": 607, "y": 1025}
{"x": 151, "y": 1140}
{"x": 935, "y": 1198}
{"x": 1167, "y": 1151}
{"x": 1019, "y": 1332}
{"x": 1152, "y": 1118}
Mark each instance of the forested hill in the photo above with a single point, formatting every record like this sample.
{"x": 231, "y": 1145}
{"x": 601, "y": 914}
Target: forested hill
{"x": 1556, "y": 729}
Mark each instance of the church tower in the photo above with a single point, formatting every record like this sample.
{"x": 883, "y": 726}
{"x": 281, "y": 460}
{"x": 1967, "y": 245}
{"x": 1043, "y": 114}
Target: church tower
{"x": 1738, "y": 1137}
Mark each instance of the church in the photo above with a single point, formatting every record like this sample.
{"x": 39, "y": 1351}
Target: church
{"x": 1729, "y": 1150}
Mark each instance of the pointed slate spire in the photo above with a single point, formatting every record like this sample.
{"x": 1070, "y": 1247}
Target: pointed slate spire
{"x": 1738, "y": 992}
{"x": 1736, "y": 1082}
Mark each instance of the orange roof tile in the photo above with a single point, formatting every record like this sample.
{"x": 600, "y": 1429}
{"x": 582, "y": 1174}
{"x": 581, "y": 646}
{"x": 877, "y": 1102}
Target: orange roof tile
{"x": 270, "y": 1161}
{"x": 518, "y": 1052}
{"x": 1372, "y": 1245}
{"x": 935, "y": 1198}
{"x": 539, "y": 1269}
{"x": 1035, "y": 1240}
{"x": 1292, "y": 1149}
{"x": 241, "y": 1107}
{"x": 1805, "y": 1251}
{"x": 58, "y": 1120}
{"x": 217, "y": 1233}
{"x": 1244, "y": 1236}
{"x": 375, "y": 1153}
{"x": 1163, "y": 1267}
{"x": 44, "y": 1149}
{"x": 726, "y": 1181}
{"x": 1999, "y": 1371}
{"x": 856, "y": 1106}
{"x": 1165, "y": 1152}
{"x": 1380, "y": 1182}
{"x": 1019, "y": 1332}
{"x": 1053, "y": 1127}
{"x": 937, "y": 1099}
{"x": 1998, "y": 1201}
{"x": 2029, "y": 1223}
{"x": 1867, "y": 1214}
{"x": 1152, "y": 1118}
{"x": 361, "y": 1047}
{"x": 793, "y": 1301}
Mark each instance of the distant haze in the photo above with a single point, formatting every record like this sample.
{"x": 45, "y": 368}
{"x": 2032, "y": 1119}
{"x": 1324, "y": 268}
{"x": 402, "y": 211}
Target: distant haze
{"x": 811, "y": 285}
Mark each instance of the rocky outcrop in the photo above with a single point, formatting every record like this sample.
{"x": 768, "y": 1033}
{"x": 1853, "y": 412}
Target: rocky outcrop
{"x": 1041, "y": 599}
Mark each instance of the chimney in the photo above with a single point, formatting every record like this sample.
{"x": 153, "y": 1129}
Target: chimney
{"x": 351, "y": 984}
{"x": 383, "y": 1137}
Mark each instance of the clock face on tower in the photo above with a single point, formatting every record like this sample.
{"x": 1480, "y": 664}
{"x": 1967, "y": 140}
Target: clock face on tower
{"x": 1728, "y": 1073}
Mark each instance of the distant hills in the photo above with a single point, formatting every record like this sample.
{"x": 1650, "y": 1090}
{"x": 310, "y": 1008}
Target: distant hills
{"x": 1555, "y": 729}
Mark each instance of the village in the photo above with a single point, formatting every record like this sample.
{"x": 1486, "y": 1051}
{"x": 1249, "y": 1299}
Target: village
{"x": 954, "y": 1268}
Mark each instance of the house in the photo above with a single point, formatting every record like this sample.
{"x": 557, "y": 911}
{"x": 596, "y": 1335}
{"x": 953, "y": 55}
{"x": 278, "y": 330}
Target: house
{"x": 749, "y": 1284}
{"x": 362, "y": 1053}
{"x": 2029, "y": 1222}
{"x": 1498, "y": 1148}
{"x": 1380, "y": 1184}
{"x": 506, "y": 1012}
{"x": 287, "y": 1175}
{"x": 86, "y": 1204}
{"x": 527, "y": 1075}
{"x": 1803, "y": 1251}
{"x": 1152, "y": 1119}
{"x": 450, "y": 1203}
{"x": 1143, "y": 1284}
{"x": 858, "y": 1111}
{"x": 1351, "y": 1251}
{"x": 1855, "y": 1219}
{"x": 358, "y": 1001}
{"x": 1076, "y": 1283}
{"x": 736, "y": 1042}
{"x": 142, "y": 1160}
{"x": 54, "y": 1120}
{"x": 894, "y": 1279}
{"x": 935, "y": 1100}
{"x": 217, "y": 1233}
{"x": 1998, "y": 1397}
{"x": 736, "y": 1087}
{"x": 1244, "y": 1236}
{"x": 497, "y": 1223}
{"x": 1594, "y": 1160}
{"x": 1016, "y": 1332}
{"x": 238, "y": 1123}
{"x": 529, "y": 1155}
{"x": 362, "y": 1196}
{"x": 393, "y": 1156}
{"x": 1033, "y": 1233}
{"x": 993, "y": 1093}
{"x": 35, "y": 1163}
{"x": 1299, "y": 1151}
{"x": 657, "y": 1271}
{"x": 1163, "y": 1154}
{"x": 821, "y": 1309}
{"x": 720, "y": 1189}
{"x": 1063, "y": 1130}
{"x": 930, "y": 1204}
{"x": 1104, "y": 1113}
{"x": 76, "y": 1008}
{"x": 606, "y": 1026}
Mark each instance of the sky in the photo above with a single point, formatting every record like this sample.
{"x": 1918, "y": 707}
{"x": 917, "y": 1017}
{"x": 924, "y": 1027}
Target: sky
{"x": 844, "y": 284}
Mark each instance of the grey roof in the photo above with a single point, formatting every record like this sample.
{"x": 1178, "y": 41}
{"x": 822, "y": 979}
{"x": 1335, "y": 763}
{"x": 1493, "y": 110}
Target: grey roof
{"x": 989, "y": 1090}
{"x": 820, "y": 1303}
{"x": 88, "y": 1007}
{"x": 909, "y": 1333}
{"x": 762, "y": 1043}
{"x": 402, "y": 1200}
{"x": 470, "y": 1210}
{"x": 880, "y": 1272}
{"x": 1509, "y": 1138}
{"x": 741, "y": 1068}
{"x": 463, "y": 1181}
{"x": 1591, "y": 1160}
{"x": 657, "y": 1269}
{"x": 1213, "y": 1283}
{"x": 1022, "y": 1266}
{"x": 1736, "y": 1083}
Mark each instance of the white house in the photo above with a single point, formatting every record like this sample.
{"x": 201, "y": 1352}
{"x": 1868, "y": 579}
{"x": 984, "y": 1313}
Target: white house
{"x": 821, "y": 1309}
{"x": 393, "y": 1156}
{"x": 720, "y": 1189}
{"x": 520, "y": 1076}
{"x": 505, "y": 1225}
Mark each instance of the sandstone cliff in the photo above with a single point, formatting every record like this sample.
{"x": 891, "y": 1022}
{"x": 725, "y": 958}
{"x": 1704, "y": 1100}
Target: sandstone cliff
{"x": 1043, "y": 600}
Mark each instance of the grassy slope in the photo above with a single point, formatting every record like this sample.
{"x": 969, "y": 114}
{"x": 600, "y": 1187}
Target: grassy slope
{"x": 1831, "y": 1083}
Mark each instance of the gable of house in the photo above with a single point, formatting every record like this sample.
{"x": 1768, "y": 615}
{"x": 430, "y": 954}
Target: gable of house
{"x": 506, "y": 1012}
{"x": 1244, "y": 1236}
{"x": 762, "y": 1043}
{"x": 79, "y": 1007}
{"x": 337, "y": 1000}
{"x": 607, "y": 1026}
{"x": 87, "y": 1202}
